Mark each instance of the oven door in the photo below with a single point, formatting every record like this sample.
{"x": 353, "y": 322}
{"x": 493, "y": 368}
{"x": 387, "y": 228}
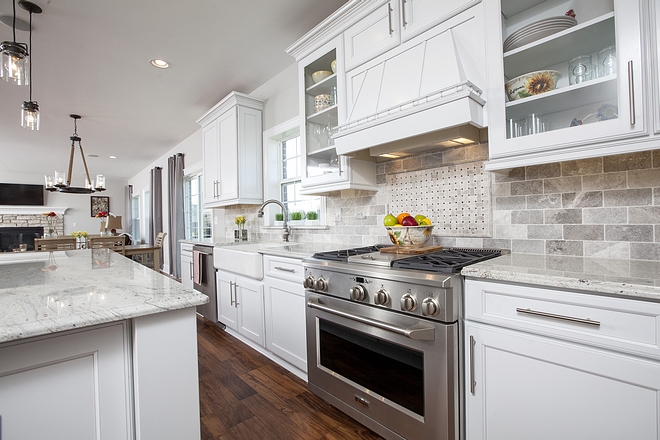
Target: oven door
{"x": 394, "y": 373}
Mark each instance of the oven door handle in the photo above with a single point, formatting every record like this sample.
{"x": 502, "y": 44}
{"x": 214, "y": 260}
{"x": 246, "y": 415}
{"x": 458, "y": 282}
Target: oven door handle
{"x": 417, "y": 332}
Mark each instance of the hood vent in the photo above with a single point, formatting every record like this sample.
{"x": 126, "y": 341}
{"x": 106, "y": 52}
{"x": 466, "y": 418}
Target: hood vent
{"x": 417, "y": 97}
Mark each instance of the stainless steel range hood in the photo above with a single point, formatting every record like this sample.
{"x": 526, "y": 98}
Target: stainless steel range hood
{"x": 419, "y": 96}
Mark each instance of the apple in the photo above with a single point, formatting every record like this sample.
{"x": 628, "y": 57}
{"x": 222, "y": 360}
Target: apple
{"x": 409, "y": 221}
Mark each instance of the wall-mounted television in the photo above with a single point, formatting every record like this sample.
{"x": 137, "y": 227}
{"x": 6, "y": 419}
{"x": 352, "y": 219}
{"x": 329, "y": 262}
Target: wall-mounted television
{"x": 21, "y": 194}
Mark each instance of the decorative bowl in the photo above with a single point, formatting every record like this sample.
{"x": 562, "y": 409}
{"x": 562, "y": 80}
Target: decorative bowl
{"x": 409, "y": 236}
{"x": 530, "y": 84}
{"x": 333, "y": 66}
{"x": 320, "y": 75}
{"x": 322, "y": 101}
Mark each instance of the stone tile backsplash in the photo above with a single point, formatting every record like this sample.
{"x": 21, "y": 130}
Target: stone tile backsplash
{"x": 602, "y": 207}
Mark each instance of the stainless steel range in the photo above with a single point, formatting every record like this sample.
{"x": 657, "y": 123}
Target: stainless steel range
{"x": 383, "y": 337}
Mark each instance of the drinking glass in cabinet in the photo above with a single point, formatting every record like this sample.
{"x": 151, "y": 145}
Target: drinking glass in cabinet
{"x": 580, "y": 69}
{"x": 607, "y": 61}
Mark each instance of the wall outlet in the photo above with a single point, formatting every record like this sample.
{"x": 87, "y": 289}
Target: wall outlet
{"x": 360, "y": 216}
{"x": 337, "y": 218}
{"x": 75, "y": 224}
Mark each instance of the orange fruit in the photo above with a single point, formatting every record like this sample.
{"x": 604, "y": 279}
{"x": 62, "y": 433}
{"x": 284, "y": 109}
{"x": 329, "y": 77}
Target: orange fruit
{"x": 401, "y": 216}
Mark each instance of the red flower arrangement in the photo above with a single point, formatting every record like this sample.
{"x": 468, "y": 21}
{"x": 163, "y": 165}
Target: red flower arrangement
{"x": 50, "y": 214}
{"x": 101, "y": 214}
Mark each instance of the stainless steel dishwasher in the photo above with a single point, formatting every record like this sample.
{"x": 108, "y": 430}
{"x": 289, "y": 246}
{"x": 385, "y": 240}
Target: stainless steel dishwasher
{"x": 204, "y": 280}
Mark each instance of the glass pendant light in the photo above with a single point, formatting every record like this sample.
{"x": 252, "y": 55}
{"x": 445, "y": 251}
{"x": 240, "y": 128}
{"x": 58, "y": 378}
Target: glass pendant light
{"x": 14, "y": 60}
{"x": 30, "y": 109}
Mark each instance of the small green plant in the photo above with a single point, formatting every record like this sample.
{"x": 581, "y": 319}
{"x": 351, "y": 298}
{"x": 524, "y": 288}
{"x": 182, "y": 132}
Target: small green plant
{"x": 279, "y": 217}
{"x": 296, "y": 215}
{"x": 312, "y": 215}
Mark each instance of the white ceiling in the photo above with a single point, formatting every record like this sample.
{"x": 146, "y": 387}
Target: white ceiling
{"x": 92, "y": 58}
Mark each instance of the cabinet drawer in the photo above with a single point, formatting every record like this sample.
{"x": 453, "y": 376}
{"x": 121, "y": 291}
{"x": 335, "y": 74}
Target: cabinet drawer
{"x": 283, "y": 268}
{"x": 621, "y": 324}
{"x": 186, "y": 249}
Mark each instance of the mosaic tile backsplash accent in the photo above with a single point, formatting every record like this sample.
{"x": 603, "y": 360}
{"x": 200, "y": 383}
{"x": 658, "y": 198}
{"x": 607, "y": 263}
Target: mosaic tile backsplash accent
{"x": 605, "y": 207}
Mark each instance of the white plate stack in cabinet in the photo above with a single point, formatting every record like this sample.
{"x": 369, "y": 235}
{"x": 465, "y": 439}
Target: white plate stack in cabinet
{"x": 232, "y": 152}
{"x": 604, "y": 115}
{"x": 550, "y": 364}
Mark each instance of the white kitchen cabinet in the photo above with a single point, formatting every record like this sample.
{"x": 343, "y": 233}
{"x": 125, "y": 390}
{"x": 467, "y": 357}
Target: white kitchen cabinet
{"x": 420, "y": 15}
{"x": 232, "y": 149}
{"x": 548, "y": 364}
{"x": 241, "y": 305}
{"x": 601, "y": 116}
{"x": 654, "y": 14}
{"x": 372, "y": 35}
{"x": 324, "y": 170}
{"x": 285, "y": 310}
{"x": 187, "y": 265}
{"x": 74, "y": 385}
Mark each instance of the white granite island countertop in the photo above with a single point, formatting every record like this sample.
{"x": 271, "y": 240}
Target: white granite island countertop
{"x": 635, "y": 279}
{"x": 43, "y": 293}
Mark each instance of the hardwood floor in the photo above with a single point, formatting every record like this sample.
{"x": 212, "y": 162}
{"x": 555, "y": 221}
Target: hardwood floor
{"x": 244, "y": 395}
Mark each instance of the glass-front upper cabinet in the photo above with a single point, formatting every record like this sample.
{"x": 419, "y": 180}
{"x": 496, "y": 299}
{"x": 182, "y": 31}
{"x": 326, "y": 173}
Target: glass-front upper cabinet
{"x": 565, "y": 79}
{"x": 322, "y": 107}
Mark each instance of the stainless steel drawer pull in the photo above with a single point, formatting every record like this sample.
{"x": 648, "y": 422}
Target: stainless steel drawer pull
{"x": 192, "y": 270}
{"x": 473, "y": 383}
{"x": 631, "y": 92}
{"x": 417, "y": 332}
{"x": 403, "y": 13}
{"x": 189, "y": 251}
{"x": 284, "y": 269}
{"x": 561, "y": 317}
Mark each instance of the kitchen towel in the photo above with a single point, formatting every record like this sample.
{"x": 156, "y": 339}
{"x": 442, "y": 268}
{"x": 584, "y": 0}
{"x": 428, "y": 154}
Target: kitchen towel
{"x": 198, "y": 262}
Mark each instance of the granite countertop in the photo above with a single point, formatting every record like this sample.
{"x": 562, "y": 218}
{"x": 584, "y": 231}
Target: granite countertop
{"x": 43, "y": 293}
{"x": 625, "y": 278}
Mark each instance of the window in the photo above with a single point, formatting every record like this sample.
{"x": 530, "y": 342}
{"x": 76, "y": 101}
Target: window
{"x": 147, "y": 215}
{"x": 135, "y": 220}
{"x": 291, "y": 162}
{"x": 198, "y": 221}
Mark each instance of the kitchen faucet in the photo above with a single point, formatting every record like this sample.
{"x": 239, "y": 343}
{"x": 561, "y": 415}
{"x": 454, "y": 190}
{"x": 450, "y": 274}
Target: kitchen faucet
{"x": 285, "y": 213}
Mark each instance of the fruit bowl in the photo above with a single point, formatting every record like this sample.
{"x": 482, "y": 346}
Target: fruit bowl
{"x": 409, "y": 236}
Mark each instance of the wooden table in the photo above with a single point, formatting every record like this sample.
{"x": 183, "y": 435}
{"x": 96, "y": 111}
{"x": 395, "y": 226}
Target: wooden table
{"x": 143, "y": 249}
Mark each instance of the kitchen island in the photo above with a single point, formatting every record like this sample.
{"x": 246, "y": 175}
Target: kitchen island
{"x": 94, "y": 345}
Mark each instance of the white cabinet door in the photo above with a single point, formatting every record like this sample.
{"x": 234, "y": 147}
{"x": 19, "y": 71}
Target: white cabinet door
{"x": 419, "y": 15}
{"x": 285, "y": 321}
{"x": 74, "y": 386}
{"x": 250, "y": 307}
{"x": 374, "y": 34}
{"x": 186, "y": 265}
{"x": 228, "y": 187}
{"x": 211, "y": 155}
{"x": 250, "y": 172}
{"x": 594, "y": 118}
{"x": 521, "y": 386}
{"x": 225, "y": 288}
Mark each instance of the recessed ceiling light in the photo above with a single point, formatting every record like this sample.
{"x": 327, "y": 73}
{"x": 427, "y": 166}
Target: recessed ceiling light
{"x": 161, "y": 64}
{"x": 112, "y": 157}
{"x": 92, "y": 155}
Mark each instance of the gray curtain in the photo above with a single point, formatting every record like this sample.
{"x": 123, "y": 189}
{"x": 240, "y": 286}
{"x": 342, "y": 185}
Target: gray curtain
{"x": 175, "y": 165}
{"x": 156, "y": 208}
{"x": 128, "y": 210}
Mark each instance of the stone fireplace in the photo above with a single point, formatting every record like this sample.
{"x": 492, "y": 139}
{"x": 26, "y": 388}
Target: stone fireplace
{"x": 21, "y": 224}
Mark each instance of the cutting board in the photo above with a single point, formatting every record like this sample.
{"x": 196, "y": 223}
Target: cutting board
{"x": 410, "y": 250}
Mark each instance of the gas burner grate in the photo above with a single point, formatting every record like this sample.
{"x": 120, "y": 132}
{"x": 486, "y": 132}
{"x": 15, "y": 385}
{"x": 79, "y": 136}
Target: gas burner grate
{"x": 450, "y": 260}
{"x": 343, "y": 254}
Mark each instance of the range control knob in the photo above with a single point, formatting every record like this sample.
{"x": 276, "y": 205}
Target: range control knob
{"x": 381, "y": 297}
{"x": 408, "y": 303}
{"x": 321, "y": 284}
{"x": 358, "y": 292}
{"x": 430, "y": 307}
{"x": 308, "y": 283}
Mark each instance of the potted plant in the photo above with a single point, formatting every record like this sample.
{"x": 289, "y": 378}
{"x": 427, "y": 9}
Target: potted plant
{"x": 297, "y": 218}
{"x": 279, "y": 219}
{"x": 312, "y": 218}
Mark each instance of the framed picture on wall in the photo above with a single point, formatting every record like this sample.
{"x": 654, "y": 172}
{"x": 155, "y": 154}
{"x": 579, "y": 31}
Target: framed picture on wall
{"x": 100, "y": 204}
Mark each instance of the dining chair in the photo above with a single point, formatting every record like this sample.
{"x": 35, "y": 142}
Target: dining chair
{"x": 115, "y": 242}
{"x": 54, "y": 244}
